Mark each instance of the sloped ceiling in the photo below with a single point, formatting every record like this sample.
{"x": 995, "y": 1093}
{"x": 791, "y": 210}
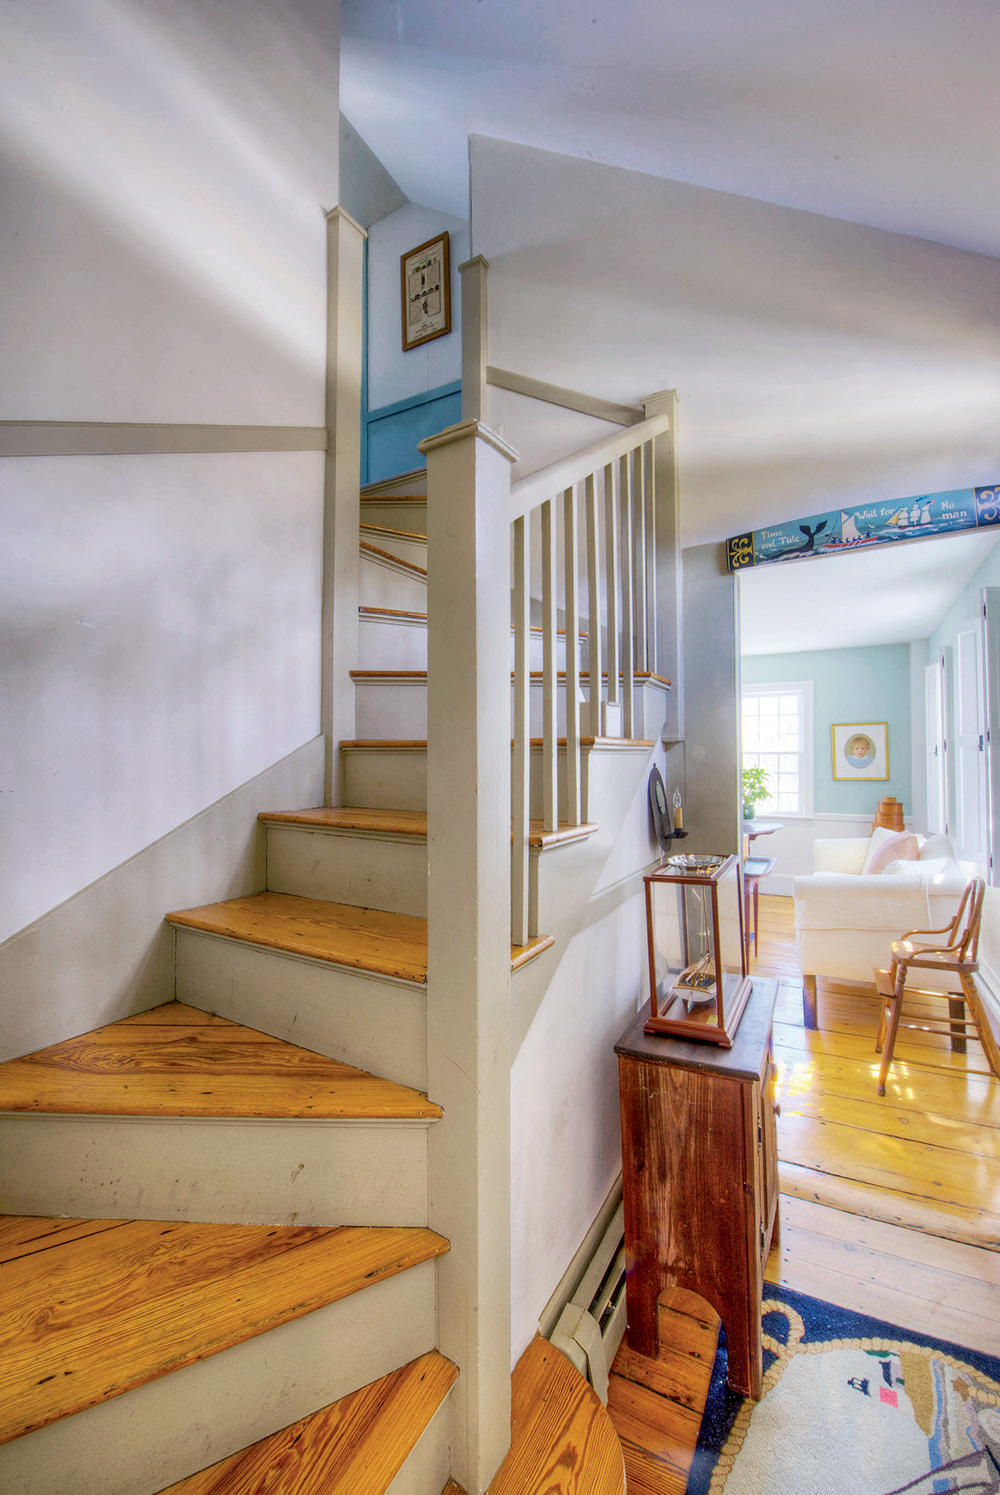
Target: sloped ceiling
{"x": 881, "y": 112}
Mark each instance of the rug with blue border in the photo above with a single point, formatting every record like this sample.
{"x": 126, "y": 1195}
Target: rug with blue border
{"x": 851, "y": 1406}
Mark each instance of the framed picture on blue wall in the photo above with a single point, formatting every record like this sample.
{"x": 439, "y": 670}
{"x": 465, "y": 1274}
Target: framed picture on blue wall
{"x": 425, "y": 282}
{"x": 860, "y": 750}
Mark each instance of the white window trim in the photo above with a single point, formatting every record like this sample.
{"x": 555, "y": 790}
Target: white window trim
{"x": 805, "y": 689}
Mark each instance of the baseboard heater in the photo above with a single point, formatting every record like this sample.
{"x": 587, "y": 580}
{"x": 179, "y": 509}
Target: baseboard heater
{"x": 591, "y": 1326}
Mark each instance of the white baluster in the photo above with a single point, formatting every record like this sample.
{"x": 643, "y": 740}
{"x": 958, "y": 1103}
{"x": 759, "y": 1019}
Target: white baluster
{"x": 550, "y": 737}
{"x": 520, "y": 792}
{"x": 572, "y": 613}
{"x": 611, "y": 581}
{"x": 625, "y": 472}
{"x": 595, "y": 648}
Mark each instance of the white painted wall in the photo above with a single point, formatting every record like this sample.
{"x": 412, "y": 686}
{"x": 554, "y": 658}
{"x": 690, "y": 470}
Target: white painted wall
{"x": 392, "y": 374}
{"x": 164, "y": 172}
{"x": 817, "y": 361}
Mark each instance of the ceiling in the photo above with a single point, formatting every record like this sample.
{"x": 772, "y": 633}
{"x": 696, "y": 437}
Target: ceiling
{"x": 888, "y": 595}
{"x": 881, "y": 112}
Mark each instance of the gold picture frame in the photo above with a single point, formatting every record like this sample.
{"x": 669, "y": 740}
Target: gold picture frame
{"x": 860, "y": 750}
{"x": 425, "y": 291}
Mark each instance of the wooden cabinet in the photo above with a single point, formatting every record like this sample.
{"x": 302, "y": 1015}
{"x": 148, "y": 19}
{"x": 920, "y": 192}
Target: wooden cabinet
{"x": 699, "y": 1152}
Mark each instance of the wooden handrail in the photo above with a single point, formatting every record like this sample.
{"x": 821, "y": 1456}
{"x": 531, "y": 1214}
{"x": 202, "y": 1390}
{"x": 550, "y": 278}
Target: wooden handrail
{"x": 528, "y": 492}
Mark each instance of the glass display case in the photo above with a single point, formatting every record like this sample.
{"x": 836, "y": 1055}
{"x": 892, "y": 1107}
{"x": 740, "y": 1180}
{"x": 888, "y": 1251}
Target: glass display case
{"x": 698, "y": 985}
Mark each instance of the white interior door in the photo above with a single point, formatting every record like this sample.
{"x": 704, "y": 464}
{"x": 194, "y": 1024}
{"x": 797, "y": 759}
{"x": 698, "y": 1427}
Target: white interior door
{"x": 937, "y": 814}
{"x": 971, "y": 803}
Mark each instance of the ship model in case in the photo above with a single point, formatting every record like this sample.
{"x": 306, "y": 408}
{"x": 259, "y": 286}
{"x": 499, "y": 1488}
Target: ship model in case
{"x": 698, "y": 985}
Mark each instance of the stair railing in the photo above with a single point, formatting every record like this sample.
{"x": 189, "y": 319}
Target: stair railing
{"x": 619, "y": 495}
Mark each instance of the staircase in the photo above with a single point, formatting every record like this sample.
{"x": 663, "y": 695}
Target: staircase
{"x": 291, "y": 1343}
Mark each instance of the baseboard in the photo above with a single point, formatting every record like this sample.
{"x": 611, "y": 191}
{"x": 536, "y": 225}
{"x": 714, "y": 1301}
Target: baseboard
{"x": 574, "y": 1273}
{"x": 106, "y": 952}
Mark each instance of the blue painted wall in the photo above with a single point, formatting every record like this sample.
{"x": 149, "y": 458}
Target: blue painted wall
{"x": 389, "y": 436}
{"x": 849, "y": 685}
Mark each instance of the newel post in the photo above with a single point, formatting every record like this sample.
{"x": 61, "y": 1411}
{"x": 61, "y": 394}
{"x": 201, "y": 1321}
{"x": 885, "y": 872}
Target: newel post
{"x": 468, "y": 966}
{"x": 342, "y": 471}
{"x": 668, "y": 652}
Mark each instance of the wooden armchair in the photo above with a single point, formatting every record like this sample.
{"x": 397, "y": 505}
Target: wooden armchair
{"x": 952, "y": 949}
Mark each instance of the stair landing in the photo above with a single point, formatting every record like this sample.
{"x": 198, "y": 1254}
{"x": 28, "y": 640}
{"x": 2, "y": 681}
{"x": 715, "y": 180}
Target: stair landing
{"x": 355, "y": 1446}
{"x": 179, "y": 1061}
{"x": 115, "y": 1304}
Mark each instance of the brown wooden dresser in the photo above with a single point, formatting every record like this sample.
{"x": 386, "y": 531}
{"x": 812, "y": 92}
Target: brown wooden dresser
{"x": 700, "y": 1165}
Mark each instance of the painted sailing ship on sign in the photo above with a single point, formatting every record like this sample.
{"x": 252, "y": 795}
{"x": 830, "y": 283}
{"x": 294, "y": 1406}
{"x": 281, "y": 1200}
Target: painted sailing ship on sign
{"x": 878, "y": 523}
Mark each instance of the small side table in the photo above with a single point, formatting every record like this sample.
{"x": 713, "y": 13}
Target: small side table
{"x": 754, "y": 868}
{"x": 700, "y": 1175}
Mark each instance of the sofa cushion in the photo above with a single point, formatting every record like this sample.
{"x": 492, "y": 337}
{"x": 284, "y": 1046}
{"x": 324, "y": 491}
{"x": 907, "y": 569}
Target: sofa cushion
{"x": 936, "y": 846}
{"x": 900, "y": 847}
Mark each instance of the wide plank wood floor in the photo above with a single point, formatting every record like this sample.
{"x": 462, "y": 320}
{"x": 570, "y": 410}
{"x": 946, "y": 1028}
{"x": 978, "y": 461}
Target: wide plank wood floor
{"x": 355, "y": 1446}
{"x": 120, "y": 1303}
{"x": 367, "y": 939}
{"x": 925, "y": 1155}
{"x": 178, "y": 1061}
{"x": 888, "y": 1207}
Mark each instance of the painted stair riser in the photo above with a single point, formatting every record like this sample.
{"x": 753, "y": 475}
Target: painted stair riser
{"x": 386, "y": 778}
{"x": 398, "y": 708}
{"x": 376, "y": 1023}
{"x": 381, "y": 584}
{"x": 369, "y": 870}
{"x": 387, "y": 643}
{"x": 139, "y": 1443}
{"x": 395, "y": 515}
{"x": 253, "y": 1172}
{"x": 401, "y": 545}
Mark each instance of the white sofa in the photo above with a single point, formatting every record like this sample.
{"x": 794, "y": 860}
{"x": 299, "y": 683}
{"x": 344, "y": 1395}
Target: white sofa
{"x": 846, "y": 921}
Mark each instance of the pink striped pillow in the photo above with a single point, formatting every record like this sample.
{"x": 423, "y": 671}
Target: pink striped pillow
{"x": 902, "y": 847}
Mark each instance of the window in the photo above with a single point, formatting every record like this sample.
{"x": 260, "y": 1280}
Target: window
{"x": 777, "y": 736}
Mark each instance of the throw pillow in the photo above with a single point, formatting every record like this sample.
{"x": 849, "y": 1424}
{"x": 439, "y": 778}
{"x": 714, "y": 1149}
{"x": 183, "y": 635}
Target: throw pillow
{"x": 936, "y": 846}
{"x": 879, "y": 835}
{"x": 902, "y": 846}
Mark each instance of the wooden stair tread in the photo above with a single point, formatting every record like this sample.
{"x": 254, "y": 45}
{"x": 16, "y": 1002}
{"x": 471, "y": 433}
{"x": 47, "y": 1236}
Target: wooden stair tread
{"x": 367, "y": 939}
{"x": 562, "y": 1440}
{"x": 193, "y": 1068}
{"x": 355, "y": 1446}
{"x": 394, "y": 498}
{"x": 367, "y": 548}
{"x": 391, "y": 612}
{"x": 419, "y": 744}
{"x": 97, "y": 1315}
{"x": 405, "y": 823}
{"x": 363, "y": 938}
{"x": 388, "y": 529}
{"x": 352, "y": 818}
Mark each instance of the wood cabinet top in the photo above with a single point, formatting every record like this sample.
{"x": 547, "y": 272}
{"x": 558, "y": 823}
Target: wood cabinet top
{"x": 745, "y": 1060}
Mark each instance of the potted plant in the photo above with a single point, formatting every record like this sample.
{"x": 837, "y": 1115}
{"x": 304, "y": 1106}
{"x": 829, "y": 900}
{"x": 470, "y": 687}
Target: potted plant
{"x": 754, "y": 789}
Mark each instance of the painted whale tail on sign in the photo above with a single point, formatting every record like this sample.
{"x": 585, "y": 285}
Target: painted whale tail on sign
{"x": 810, "y": 535}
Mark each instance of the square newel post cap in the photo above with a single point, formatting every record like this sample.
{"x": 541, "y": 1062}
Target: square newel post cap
{"x": 462, "y": 432}
{"x": 339, "y": 214}
{"x": 661, "y": 403}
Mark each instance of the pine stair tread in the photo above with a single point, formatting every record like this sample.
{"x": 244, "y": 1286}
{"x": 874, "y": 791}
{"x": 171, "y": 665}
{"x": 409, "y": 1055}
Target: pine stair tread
{"x": 419, "y": 744}
{"x": 562, "y": 1440}
{"x": 640, "y": 677}
{"x": 367, "y": 939}
{"x": 352, "y": 818}
{"x": 355, "y": 1446}
{"x": 405, "y": 823}
{"x": 364, "y": 611}
{"x": 366, "y": 548}
{"x": 393, "y": 530}
{"x": 393, "y": 498}
{"x": 90, "y": 1316}
{"x": 185, "y": 1066}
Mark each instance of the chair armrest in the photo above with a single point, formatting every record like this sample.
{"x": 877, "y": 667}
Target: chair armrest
{"x": 844, "y": 854}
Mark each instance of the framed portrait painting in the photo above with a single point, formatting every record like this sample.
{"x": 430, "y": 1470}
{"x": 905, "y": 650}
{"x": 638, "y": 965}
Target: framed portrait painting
{"x": 425, "y": 282}
{"x": 860, "y": 750}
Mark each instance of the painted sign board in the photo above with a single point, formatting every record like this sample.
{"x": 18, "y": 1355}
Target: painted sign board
{"x": 843, "y": 530}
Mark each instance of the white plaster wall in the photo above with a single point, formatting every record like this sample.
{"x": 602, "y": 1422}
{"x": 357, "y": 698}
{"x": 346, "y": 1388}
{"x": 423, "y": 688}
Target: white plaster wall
{"x": 392, "y": 374}
{"x": 817, "y": 361}
{"x": 564, "y": 1089}
{"x": 164, "y": 171}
